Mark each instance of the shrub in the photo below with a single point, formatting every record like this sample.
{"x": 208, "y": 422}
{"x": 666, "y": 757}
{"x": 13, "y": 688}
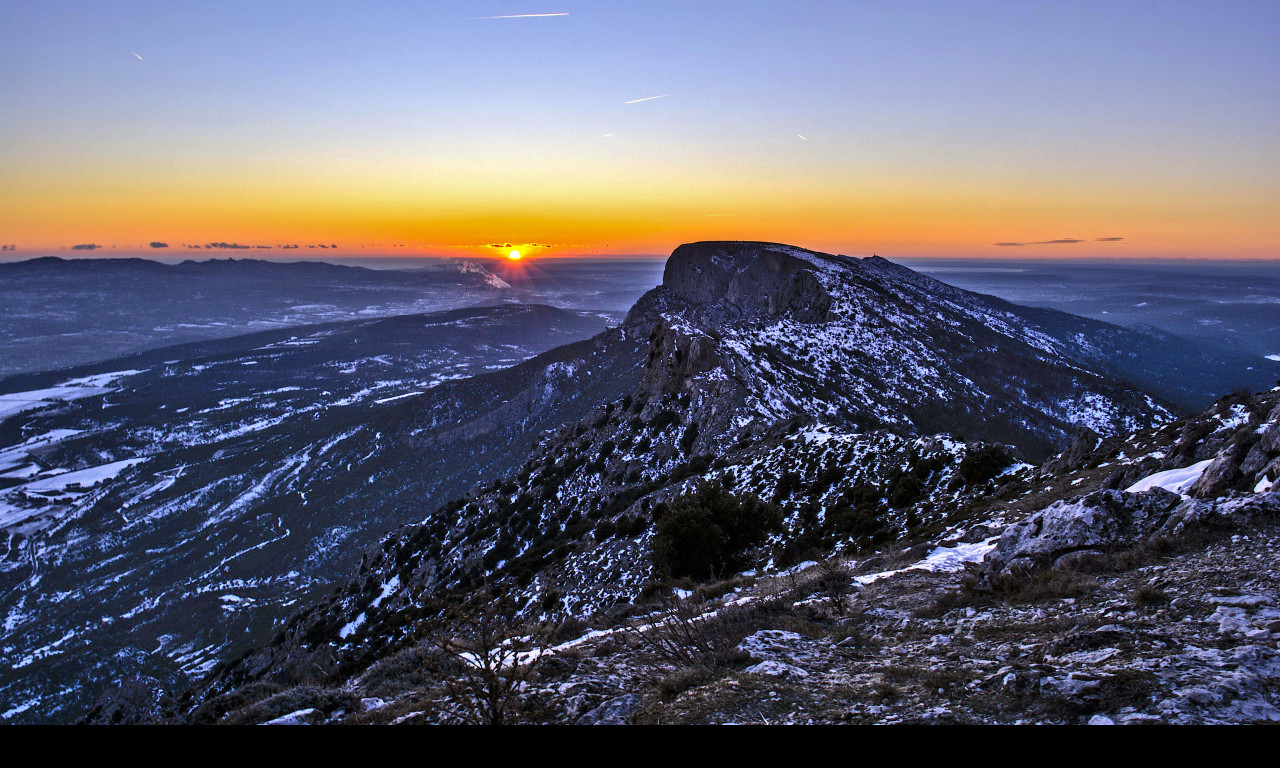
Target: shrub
{"x": 327, "y": 701}
{"x": 710, "y": 532}
{"x": 686, "y": 636}
{"x": 409, "y": 669}
{"x": 663, "y": 420}
{"x": 858, "y": 514}
{"x": 984, "y": 464}
{"x": 491, "y": 657}
{"x": 905, "y": 490}
{"x": 1149, "y": 596}
{"x": 788, "y": 484}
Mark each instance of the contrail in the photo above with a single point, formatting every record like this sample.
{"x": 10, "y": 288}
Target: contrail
{"x": 801, "y": 135}
{"x": 647, "y": 98}
{"x": 523, "y": 16}
{"x": 607, "y": 135}
{"x": 139, "y": 57}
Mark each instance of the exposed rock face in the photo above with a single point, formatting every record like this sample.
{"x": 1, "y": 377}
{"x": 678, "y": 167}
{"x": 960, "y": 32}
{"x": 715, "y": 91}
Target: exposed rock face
{"x": 1106, "y": 521}
{"x": 1241, "y": 466}
{"x": 1082, "y": 446}
{"x": 676, "y": 355}
{"x": 1096, "y": 523}
{"x": 868, "y": 343}
{"x": 615, "y": 711}
{"x": 749, "y": 280}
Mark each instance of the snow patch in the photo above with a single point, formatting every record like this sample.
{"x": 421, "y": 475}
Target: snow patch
{"x": 387, "y": 590}
{"x": 1176, "y": 480}
{"x": 940, "y": 559}
{"x": 73, "y": 389}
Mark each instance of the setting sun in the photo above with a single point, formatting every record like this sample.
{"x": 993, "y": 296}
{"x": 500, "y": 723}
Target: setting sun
{"x": 514, "y": 255}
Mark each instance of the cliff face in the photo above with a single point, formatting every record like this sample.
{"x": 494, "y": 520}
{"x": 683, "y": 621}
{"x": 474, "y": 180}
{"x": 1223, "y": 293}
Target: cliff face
{"x": 750, "y": 280}
{"x": 770, "y": 332}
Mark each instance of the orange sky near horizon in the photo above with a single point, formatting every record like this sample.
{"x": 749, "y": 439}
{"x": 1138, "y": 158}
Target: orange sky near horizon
{"x": 930, "y": 218}
{"x": 413, "y": 128}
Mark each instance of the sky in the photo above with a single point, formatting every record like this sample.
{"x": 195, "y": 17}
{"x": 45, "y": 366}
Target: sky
{"x": 908, "y": 129}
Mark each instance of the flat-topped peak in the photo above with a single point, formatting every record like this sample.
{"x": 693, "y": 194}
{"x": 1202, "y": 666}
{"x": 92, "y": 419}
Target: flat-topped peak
{"x": 740, "y": 278}
{"x": 740, "y": 254}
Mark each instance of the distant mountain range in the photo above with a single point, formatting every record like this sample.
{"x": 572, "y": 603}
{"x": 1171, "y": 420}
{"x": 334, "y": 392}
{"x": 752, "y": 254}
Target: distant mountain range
{"x": 67, "y": 312}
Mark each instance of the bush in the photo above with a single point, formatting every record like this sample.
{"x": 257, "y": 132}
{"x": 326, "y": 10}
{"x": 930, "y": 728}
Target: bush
{"x": 1149, "y": 596}
{"x": 905, "y": 490}
{"x": 858, "y": 514}
{"x": 409, "y": 669}
{"x": 327, "y": 701}
{"x": 710, "y": 532}
{"x": 984, "y": 464}
{"x": 493, "y": 657}
{"x": 662, "y": 420}
{"x": 687, "y": 637}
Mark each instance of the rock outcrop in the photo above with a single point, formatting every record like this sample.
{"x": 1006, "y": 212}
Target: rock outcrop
{"x": 1094, "y": 524}
{"x": 1250, "y": 462}
{"x": 735, "y": 280}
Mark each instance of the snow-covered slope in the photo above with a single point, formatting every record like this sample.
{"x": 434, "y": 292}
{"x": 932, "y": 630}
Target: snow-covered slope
{"x": 159, "y": 518}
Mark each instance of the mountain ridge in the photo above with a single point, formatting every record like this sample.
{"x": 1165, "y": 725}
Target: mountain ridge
{"x": 821, "y": 377}
{"x": 579, "y": 510}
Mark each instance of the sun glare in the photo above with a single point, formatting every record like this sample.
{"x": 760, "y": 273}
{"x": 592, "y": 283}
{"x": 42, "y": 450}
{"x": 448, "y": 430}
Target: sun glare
{"x": 514, "y": 255}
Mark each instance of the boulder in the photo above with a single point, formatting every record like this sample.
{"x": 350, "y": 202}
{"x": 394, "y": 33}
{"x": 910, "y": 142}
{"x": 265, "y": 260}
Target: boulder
{"x": 1219, "y": 477}
{"x": 1099, "y": 522}
{"x": 615, "y": 711}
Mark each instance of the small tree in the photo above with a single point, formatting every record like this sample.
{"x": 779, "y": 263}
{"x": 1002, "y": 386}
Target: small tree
{"x": 710, "y": 532}
{"x": 493, "y": 657}
{"x": 984, "y": 464}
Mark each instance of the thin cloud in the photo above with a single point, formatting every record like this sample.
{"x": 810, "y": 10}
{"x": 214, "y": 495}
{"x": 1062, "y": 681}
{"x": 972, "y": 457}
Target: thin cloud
{"x": 647, "y": 98}
{"x": 1062, "y": 241}
{"x": 503, "y": 246}
{"x": 524, "y": 16}
{"x": 526, "y": 249}
{"x": 158, "y": 244}
{"x": 86, "y": 247}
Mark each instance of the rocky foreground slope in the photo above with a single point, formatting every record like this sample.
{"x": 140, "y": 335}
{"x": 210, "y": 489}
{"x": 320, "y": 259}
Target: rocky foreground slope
{"x": 796, "y": 390}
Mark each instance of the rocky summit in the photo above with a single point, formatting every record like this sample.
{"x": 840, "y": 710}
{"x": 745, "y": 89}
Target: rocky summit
{"x": 799, "y": 487}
